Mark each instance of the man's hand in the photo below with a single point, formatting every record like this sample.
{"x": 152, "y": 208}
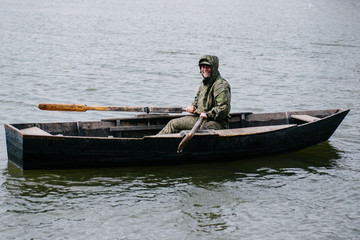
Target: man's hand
{"x": 191, "y": 109}
{"x": 203, "y": 115}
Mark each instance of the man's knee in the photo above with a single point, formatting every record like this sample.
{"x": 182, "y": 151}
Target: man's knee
{"x": 212, "y": 125}
{"x": 183, "y": 123}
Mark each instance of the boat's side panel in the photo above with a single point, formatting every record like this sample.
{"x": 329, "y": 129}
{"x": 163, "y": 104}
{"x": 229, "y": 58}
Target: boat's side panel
{"x": 82, "y": 152}
{"x": 299, "y": 137}
{"x": 315, "y": 132}
{"x": 240, "y": 146}
{"x": 283, "y": 140}
{"x": 14, "y": 145}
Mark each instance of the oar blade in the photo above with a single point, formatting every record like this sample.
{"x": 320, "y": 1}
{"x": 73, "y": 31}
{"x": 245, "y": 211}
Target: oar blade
{"x": 183, "y": 143}
{"x": 189, "y": 136}
{"x": 63, "y": 107}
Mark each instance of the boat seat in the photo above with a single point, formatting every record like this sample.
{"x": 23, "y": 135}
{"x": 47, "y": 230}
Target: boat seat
{"x": 136, "y": 128}
{"x": 35, "y": 131}
{"x": 305, "y": 118}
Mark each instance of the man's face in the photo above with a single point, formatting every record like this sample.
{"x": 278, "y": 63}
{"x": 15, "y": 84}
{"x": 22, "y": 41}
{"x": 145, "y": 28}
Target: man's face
{"x": 205, "y": 70}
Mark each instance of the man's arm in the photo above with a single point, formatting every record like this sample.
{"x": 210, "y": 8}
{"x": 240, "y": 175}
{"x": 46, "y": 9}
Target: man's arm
{"x": 222, "y": 97}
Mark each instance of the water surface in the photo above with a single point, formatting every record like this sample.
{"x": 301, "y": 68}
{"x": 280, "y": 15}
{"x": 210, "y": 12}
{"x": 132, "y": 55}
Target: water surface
{"x": 277, "y": 56}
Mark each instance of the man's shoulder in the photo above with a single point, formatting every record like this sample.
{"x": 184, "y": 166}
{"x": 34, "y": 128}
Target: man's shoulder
{"x": 221, "y": 86}
{"x": 220, "y": 81}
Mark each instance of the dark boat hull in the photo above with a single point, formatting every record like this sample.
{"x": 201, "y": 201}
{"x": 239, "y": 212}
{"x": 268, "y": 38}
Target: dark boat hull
{"x": 59, "y": 151}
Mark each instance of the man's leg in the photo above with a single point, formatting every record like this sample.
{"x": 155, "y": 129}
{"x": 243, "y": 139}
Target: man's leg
{"x": 178, "y": 124}
{"x": 212, "y": 125}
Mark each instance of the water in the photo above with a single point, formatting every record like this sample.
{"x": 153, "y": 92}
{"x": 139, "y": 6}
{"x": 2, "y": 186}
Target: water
{"x": 277, "y": 55}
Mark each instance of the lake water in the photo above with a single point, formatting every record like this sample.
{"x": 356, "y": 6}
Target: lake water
{"x": 278, "y": 55}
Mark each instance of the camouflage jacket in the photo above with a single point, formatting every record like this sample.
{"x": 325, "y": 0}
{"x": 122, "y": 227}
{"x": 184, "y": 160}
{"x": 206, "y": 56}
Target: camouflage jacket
{"x": 214, "y": 94}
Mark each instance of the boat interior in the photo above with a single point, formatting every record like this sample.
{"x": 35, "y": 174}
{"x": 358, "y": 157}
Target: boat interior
{"x": 150, "y": 124}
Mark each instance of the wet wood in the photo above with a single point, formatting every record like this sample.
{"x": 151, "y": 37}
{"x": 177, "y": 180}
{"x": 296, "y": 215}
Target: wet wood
{"x": 253, "y": 130}
{"x": 305, "y": 118}
{"x": 188, "y": 136}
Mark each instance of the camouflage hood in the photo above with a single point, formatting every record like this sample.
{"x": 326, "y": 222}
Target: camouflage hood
{"x": 214, "y": 94}
{"x": 214, "y": 62}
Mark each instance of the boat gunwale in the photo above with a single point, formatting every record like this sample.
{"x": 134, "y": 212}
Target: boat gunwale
{"x": 213, "y": 133}
{"x": 176, "y": 135}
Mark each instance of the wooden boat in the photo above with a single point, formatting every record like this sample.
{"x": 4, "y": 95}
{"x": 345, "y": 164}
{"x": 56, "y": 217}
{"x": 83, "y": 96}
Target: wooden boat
{"x": 132, "y": 140}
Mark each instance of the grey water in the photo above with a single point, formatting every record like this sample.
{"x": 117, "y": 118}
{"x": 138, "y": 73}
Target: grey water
{"x": 278, "y": 55}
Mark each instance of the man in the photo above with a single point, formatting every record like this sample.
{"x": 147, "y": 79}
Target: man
{"x": 212, "y": 101}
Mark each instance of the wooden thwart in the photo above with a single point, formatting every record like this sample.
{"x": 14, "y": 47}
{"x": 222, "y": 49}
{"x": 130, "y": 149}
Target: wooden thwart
{"x": 305, "y": 118}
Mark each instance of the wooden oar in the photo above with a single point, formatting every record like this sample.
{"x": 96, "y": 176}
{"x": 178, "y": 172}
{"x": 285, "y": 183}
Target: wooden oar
{"x": 84, "y": 108}
{"x": 188, "y": 137}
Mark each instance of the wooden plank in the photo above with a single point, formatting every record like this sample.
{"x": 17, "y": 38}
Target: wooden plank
{"x": 229, "y": 132}
{"x": 136, "y": 128}
{"x": 172, "y": 135}
{"x": 35, "y": 131}
{"x": 252, "y": 130}
{"x": 305, "y": 118}
{"x": 209, "y": 132}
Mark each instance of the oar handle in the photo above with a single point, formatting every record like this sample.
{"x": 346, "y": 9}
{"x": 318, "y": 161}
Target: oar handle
{"x": 84, "y": 108}
{"x": 188, "y": 137}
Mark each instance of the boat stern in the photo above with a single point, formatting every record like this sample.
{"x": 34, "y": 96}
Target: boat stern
{"x": 14, "y": 145}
